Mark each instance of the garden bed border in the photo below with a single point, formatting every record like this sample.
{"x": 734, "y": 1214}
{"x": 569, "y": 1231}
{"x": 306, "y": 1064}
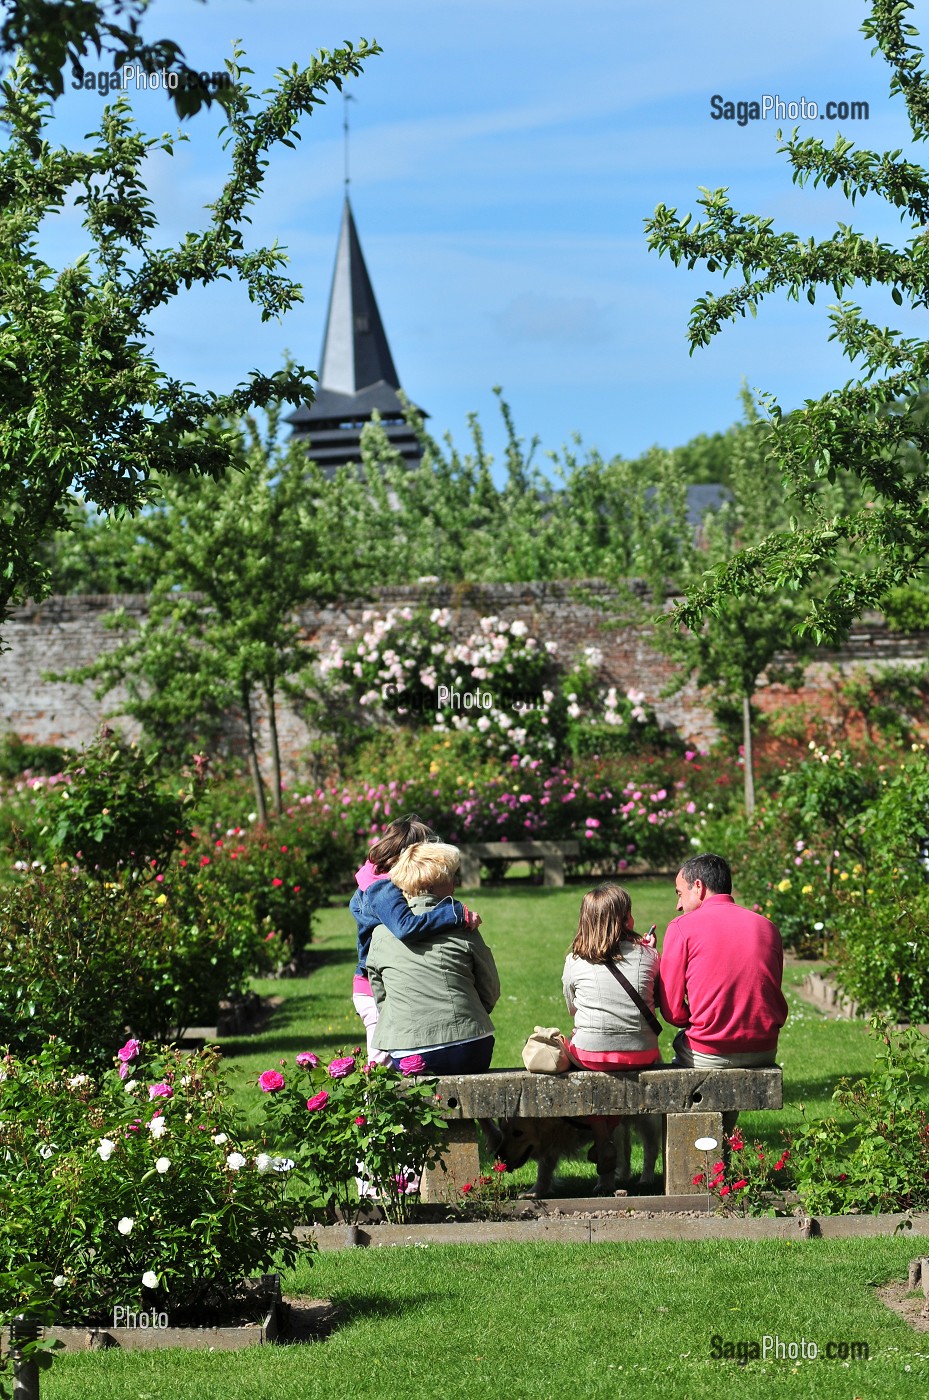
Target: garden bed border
{"x": 592, "y": 1221}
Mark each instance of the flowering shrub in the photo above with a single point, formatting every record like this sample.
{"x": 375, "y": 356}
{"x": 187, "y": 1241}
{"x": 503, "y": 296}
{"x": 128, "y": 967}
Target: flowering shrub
{"x": 112, "y": 812}
{"x": 880, "y": 1163}
{"x": 81, "y": 960}
{"x": 257, "y": 883}
{"x": 624, "y": 811}
{"x": 747, "y": 1179}
{"x": 501, "y": 685}
{"x": 834, "y": 859}
{"x": 113, "y": 1190}
{"x": 350, "y": 1118}
{"x": 485, "y": 1197}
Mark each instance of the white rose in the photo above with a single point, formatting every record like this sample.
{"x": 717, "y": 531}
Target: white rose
{"x": 264, "y": 1163}
{"x": 59, "y": 1281}
{"x": 149, "y": 1279}
{"x": 220, "y": 1138}
{"x": 131, "y": 1084}
{"x": 125, "y": 1225}
{"x": 235, "y": 1161}
{"x": 106, "y": 1149}
{"x": 78, "y": 1081}
{"x": 162, "y": 1164}
{"x": 157, "y": 1127}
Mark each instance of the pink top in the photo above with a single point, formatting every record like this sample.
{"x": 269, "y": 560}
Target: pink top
{"x": 721, "y": 969}
{"x": 366, "y": 874}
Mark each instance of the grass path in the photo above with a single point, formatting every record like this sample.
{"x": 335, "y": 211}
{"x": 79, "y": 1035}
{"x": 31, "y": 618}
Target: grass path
{"x": 541, "y": 1321}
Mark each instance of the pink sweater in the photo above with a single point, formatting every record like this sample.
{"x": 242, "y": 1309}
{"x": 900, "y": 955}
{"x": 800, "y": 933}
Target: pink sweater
{"x": 721, "y": 969}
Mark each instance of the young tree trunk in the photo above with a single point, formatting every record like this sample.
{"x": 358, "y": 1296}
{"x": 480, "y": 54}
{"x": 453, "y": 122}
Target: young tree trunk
{"x": 253, "y": 768}
{"x": 275, "y": 749}
{"x": 747, "y": 755}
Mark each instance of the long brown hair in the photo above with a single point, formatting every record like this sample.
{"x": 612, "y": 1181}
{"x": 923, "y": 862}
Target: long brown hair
{"x": 601, "y": 926}
{"x": 405, "y": 831}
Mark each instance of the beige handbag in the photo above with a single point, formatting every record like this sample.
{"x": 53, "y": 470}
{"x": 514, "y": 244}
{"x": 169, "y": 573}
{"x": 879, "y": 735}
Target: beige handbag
{"x": 545, "y": 1051}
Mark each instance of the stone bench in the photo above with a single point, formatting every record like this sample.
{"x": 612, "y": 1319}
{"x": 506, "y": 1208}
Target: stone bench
{"x": 691, "y": 1100}
{"x": 551, "y": 853}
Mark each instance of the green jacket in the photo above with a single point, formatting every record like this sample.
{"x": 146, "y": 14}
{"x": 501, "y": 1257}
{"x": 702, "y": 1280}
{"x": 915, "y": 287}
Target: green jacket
{"x": 435, "y": 991}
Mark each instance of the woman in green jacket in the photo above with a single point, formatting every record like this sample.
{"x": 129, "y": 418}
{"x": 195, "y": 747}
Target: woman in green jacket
{"x": 433, "y": 996}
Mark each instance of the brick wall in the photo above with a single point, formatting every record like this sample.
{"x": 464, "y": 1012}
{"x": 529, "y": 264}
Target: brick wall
{"x": 61, "y": 633}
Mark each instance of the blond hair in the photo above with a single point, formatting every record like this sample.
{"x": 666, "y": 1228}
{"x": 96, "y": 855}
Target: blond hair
{"x": 418, "y": 868}
{"x": 601, "y": 926}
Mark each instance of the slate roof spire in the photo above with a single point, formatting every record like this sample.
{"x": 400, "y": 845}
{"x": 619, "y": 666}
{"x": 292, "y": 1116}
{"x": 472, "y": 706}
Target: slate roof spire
{"x": 357, "y": 375}
{"x": 355, "y": 351}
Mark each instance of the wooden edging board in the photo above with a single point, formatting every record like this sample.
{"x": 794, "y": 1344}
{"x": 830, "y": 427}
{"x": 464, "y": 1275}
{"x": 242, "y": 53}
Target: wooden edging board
{"x": 590, "y": 1223}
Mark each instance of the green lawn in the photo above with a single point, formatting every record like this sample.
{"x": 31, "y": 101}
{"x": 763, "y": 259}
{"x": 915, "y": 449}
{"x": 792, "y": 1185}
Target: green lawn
{"x": 541, "y": 1321}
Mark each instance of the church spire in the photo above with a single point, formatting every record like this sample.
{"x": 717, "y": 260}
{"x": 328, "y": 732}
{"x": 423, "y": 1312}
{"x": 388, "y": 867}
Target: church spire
{"x": 355, "y": 352}
{"x": 357, "y": 377}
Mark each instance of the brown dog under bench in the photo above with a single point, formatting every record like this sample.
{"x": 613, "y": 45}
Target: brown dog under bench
{"x": 691, "y": 1100}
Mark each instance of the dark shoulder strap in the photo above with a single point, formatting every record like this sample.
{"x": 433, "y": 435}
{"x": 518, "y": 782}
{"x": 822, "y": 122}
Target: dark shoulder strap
{"x": 631, "y": 992}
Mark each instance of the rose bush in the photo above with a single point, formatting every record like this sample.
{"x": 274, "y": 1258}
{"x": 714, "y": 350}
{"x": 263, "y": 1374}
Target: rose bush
{"x": 881, "y": 1162}
{"x": 836, "y": 857}
{"x": 506, "y": 689}
{"x": 82, "y": 960}
{"x": 112, "y": 1191}
{"x": 349, "y": 1119}
{"x": 748, "y": 1179}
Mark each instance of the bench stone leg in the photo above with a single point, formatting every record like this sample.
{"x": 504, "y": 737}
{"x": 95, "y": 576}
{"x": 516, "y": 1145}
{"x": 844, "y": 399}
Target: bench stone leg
{"x": 682, "y": 1161}
{"x": 553, "y": 870}
{"x": 470, "y": 870}
{"x": 462, "y": 1163}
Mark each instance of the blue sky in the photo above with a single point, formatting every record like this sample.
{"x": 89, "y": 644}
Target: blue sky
{"x": 504, "y": 155}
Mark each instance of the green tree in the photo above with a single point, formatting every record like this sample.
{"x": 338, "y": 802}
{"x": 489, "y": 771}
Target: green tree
{"x": 237, "y": 558}
{"x": 84, "y": 406}
{"x": 871, "y": 432}
{"x": 742, "y": 638}
{"x": 450, "y": 519}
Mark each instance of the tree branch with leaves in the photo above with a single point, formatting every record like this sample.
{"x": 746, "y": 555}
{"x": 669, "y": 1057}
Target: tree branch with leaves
{"x": 84, "y": 405}
{"x": 870, "y": 434}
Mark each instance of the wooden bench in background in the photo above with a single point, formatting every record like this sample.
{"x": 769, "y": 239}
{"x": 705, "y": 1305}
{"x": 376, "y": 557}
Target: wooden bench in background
{"x": 551, "y": 853}
{"x": 692, "y": 1100}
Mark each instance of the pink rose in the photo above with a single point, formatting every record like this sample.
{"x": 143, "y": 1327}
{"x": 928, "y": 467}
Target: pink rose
{"x": 412, "y": 1064}
{"x": 160, "y": 1091}
{"x": 271, "y": 1080}
{"x": 124, "y": 1071}
{"x": 338, "y": 1069}
{"x": 307, "y": 1060}
{"x": 129, "y": 1051}
{"x": 317, "y": 1101}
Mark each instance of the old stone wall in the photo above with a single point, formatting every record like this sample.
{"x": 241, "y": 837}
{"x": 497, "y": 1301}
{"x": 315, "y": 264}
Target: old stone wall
{"x": 65, "y": 632}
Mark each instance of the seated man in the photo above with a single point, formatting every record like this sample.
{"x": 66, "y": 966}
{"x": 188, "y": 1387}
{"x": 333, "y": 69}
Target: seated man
{"x": 721, "y": 969}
